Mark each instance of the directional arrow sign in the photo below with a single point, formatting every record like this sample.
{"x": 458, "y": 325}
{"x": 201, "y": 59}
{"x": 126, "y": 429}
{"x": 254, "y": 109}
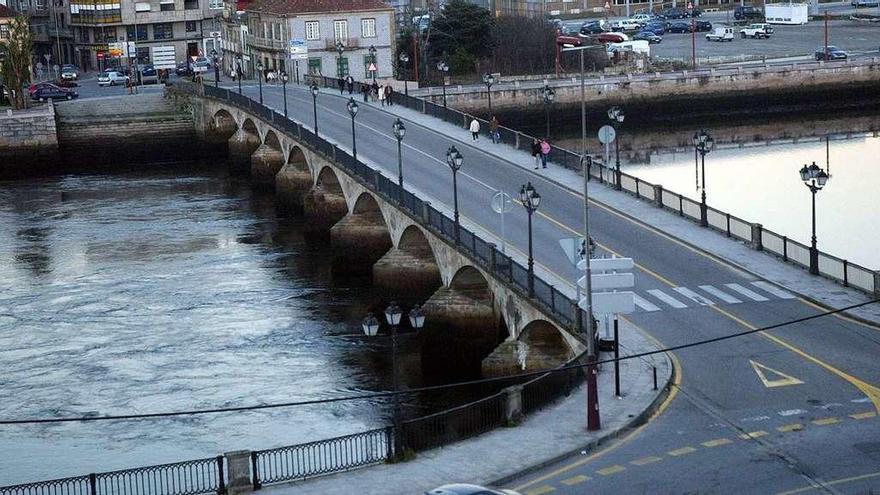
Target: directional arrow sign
{"x": 572, "y": 247}
{"x": 608, "y": 281}
{"x": 610, "y": 302}
{"x": 607, "y": 264}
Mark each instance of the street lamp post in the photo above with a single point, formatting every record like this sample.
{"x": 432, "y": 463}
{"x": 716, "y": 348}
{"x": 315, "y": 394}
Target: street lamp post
{"x": 548, "y": 95}
{"x": 372, "y": 51}
{"x": 353, "y": 111}
{"x": 404, "y": 59}
{"x": 260, "y": 79}
{"x": 616, "y": 116}
{"x": 216, "y": 68}
{"x": 489, "y": 80}
{"x": 530, "y": 200}
{"x": 399, "y": 131}
{"x": 314, "y": 89}
{"x": 703, "y": 143}
{"x": 814, "y": 178}
{"x": 340, "y": 48}
{"x": 238, "y": 64}
{"x": 454, "y": 160}
{"x": 284, "y": 79}
{"x": 443, "y": 68}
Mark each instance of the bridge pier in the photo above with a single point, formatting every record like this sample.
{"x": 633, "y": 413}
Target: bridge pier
{"x": 291, "y": 186}
{"x": 359, "y": 240}
{"x": 407, "y": 272}
{"x": 266, "y": 161}
{"x": 242, "y": 145}
{"x": 220, "y": 128}
{"x": 323, "y": 209}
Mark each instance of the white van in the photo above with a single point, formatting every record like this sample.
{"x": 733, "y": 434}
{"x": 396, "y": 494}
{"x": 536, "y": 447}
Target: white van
{"x": 636, "y": 46}
{"x": 720, "y": 34}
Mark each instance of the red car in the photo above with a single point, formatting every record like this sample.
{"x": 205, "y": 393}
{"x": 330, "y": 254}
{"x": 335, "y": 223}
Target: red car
{"x": 568, "y": 41}
{"x": 45, "y": 84}
{"x": 612, "y": 37}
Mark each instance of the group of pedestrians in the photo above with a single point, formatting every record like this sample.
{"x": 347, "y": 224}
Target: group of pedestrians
{"x": 383, "y": 93}
{"x": 540, "y": 147}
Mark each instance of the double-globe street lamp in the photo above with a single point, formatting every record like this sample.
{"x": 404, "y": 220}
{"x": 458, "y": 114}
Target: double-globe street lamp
{"x": 238, "y": 69}
{"x": 454, "y": 160}
{"x": 489, "y": 80}
{"x": 260, "y": 79}
{"x": 399, "y": 131}
{"x": 353, "y": 111}
{"x": 703, "y": 144}
{"x": 443, "y": 67}
{"x": 340, "y": 48}
{"x": 314, "y": 89}
{"x": 284, "y": 79}
{"x": 215, "y": 61}
{"x": 370, "y": 325}
{"x": 548, "y": 95}
{"x": 615, "y": 114}
{"x": 531, "y": 200}
{"x": 814, "y": 178}
{"x": 404, "y": 59}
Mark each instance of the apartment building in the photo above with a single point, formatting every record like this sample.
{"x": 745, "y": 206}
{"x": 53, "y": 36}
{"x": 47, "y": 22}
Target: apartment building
{"x": 49, "y": 21}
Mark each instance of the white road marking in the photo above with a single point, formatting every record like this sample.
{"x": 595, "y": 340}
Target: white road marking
{"x": 863, "y": 400}
{"x": 693, "y": 296}
{"x": 659, "y": 294}
{"x": 720, "y": 294}
{"x": 754, "y": 296}
{"x": 644, "y": 303}
{"x": 791, "y": 412}
{"x": 776, "y": 291}
{"x": 754, "y": 418}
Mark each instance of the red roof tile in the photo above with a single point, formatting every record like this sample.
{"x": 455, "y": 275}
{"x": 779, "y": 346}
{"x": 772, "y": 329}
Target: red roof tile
{"x": 312, "y": 6}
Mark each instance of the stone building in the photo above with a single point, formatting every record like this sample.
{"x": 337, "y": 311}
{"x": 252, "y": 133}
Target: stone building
{"x": 354, "y": 25}
{"x": 49, "y": 21}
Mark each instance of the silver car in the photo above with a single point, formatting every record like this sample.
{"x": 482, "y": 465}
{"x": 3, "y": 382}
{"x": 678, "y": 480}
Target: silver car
{"x": 112, "y": 78}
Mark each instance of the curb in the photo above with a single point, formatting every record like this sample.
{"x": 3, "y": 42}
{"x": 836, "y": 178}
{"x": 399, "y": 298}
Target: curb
{"x": 594, "y": 444}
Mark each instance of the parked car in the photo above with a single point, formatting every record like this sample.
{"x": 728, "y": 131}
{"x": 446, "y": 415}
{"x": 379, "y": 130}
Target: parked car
{"x": 695, "y": 12}
{"x": 656, "y": 27}
{"x": 703, "y": 26}
{"x": 53, "y": 93}
{"x": 758, "y": 30}
{"x": 721, "y": 34}
{"x": 147, "y": 74}
{"x": 625, "y": 25}
{"x": 648, "y": 36}
{"x": 201, "y": 65}
{"x": 642, "y": 19}
{"x": 568, "y": 41}
{"x": 830, "y": 53}
{"x": 611, "y": 37}
{"x": 593, "y": 27}
{"x": 69, "y": 72}
{"x": 680, "y": 27}
{"x": 113, "y": 77}
{"x": 183, "y": 69}
{"x": 673, "y": 13}
{"x": 465, "y": 489}
{"x": 66, "y": 83}
{"x": 747, "y": 12}
{"x": 36, "y": 86}
{"x": 865, "y": 3}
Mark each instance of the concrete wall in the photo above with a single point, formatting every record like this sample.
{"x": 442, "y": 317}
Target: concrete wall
{"x": 28, "y": 142}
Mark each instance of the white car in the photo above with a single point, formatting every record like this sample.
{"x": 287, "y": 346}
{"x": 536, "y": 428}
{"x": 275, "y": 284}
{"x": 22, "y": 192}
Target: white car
{"x": 112, "y": 77}
{"x": 625, "y": 25}
{"x": 642, "y": 19}
{"x": 759, "y": 30}
{"x": 720, "y": 34}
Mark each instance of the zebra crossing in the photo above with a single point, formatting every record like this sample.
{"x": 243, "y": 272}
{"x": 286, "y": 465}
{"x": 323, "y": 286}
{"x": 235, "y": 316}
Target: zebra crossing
{"x": 709, "y": 295}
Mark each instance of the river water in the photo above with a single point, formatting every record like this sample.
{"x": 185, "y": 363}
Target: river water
{"x": 171, "y": 290}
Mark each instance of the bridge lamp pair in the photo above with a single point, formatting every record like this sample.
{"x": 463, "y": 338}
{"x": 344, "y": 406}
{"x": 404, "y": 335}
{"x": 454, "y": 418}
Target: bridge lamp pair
{"x": 284, "y": 79}
{"x": 489, "y": 80}
{"x": 548, "y": 94}
{"x": 260, "y": 79}
{"x": 703, "y": 144}
{"x": 815, "y": 178}
{"x": 399, "y": 131}
{"x": 404, "y": 59}
{"x": 353, "y": 108}
{"x": 443, "y": 68}
{"x": 615, "y": 114}
{"x": 454, "y": 159}
{"x": 531, "y": 200}
{"x": 314, "y": 90}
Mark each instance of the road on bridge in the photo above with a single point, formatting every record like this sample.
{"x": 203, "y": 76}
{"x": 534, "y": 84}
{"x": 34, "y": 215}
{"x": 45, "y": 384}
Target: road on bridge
{"x": 769, "y": 412}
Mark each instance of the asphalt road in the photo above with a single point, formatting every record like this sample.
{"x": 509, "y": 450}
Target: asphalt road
{"x": 831, "y": 362}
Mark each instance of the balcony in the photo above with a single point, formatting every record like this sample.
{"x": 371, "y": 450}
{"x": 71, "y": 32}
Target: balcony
{"x": 350, "y": 44}
{"x": 266, "y": 44}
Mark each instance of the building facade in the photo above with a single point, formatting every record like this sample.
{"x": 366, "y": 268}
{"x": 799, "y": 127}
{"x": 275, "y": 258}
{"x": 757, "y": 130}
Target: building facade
{"x": 49, "y": 21}
{"x": 363, "y": 29}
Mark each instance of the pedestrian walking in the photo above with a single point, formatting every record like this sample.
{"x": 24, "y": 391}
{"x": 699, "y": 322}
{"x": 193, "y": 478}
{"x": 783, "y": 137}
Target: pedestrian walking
{"x": 536, "y": 151}
{"x": 341, "y": 83}
{"x": 375, "y": 91}
{"x": 365, "y": 89}
{"x": 389, "y": 92}
{"x": 475, "y": 129}
{"x": 545, "y": 150}
{"x": 381, "y": 94}
{"x": 493, "y": 129}
{"x": 349, "y": 83}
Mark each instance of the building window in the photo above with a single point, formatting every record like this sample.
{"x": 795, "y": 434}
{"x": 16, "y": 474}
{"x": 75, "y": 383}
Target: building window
{"x": 215, "y": 4}
{"x": 163, "y": 31}
{"x": 191, "y": 4}
{"x": 166, "y": 6}
{"x": 341, "y": 66}
{"x": 340, "y": 31}
{"x": 142, "y": 7}
{"x": 141, "y": 32}
{"x": 367, "y": 60}
{"x": 191, "y": 26}
{"x": 314, "y": 66}
{"x": 313, "y": 30}
{"x": 4, "y": 31}
{"x": 368, "y": 28}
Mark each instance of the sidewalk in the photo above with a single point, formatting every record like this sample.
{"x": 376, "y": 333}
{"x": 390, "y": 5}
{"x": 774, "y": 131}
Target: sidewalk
{"x": 547, "y": 436}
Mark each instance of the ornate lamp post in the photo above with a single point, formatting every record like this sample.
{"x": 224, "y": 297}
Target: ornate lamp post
{"x": 814, "y": 178}
{"x": 372, "y": 51}
{"x": 404, "y": 59}
{"x": 454, "y": 160}
{"x": 353, "y": 111}
{"x": 616, "y": 116}
{"x": 238, "y": 69}
{"x": 314, "y": 89}
{"x": 214, "y": 60}
{"x": 340, "y": 48}
{"x": 399, "y": 131}
{"x": 703, "y": 144}
{"x": 530, "y": 200}
{"x": 284, "y": 79}
{"x": 489, "y": 80}
{"x": 443, "y": 68}
{"x": 260, "y": 79}
{"x": 548, "y": 94}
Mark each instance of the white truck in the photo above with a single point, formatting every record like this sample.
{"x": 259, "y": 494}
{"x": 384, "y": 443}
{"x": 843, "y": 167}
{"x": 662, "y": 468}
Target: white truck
{"x": 720, "y": 34}
{"x": 758, "y": 30}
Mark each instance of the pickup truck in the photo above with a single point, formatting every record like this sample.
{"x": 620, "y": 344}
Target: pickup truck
{"x": 759, "y": 30}
{"x": 720, "y": 34}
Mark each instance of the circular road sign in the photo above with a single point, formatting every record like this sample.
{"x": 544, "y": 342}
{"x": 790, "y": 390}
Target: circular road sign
{"x": 606, "y": 134}
{"x": 501, "y": 202}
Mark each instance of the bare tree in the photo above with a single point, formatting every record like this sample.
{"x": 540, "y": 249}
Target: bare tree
{"x": 16, "y": 63}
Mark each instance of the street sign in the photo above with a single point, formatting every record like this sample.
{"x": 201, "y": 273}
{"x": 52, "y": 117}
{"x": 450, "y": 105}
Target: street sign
{"x": 214, "y": 34}
{"x": 502, "y": 202}
{"x": 607, "y": 264}
{"x": 610, "y": 302}
{"x": 608, "y": 281}
{"x": 572, "y": 247}
{"x": 606, "y": 134}
{"x": 372, "y": 67}
{"x": 607, "y": 5}
{"x": 297, "y": 49}
{"x": 163, "y": 57}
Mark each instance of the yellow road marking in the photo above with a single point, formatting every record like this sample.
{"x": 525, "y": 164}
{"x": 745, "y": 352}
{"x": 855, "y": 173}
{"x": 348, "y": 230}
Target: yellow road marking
{"x": 832, "y": 483}
{"x": 717, "y": 442}
{"x": 864, "y": 415}
{"x": 681, "y": 451}
{"x": 762, "y": 370}
{"x": 611, "y": 470}
{"x": 753, "y": 434}
{"x": 825, "y": 421}
{"x": 541, "y": 490}
{"x": 575, "y": 480}
{"x": 646, "y": 460}
{"x": 791, "y": 427}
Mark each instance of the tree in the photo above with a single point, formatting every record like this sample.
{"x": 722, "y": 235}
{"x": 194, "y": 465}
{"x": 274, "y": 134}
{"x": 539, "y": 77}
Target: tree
{"x": 462, "y": 26}
{"x": 523, "y": 45}
{"x": 16, "y": 63}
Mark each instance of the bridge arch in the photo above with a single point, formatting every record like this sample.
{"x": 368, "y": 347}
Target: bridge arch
{"x": 271, "y": 139}
{"x": 469, "y": 281}
{"x": 221, "y": 127}
{"x": 328, "y": 181}
{"x": 249, "y": 126}
{"x": 545, "y": 347}
{"x": 325, "y": 204}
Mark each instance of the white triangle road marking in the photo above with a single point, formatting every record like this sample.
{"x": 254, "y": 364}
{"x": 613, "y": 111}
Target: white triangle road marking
{"x": 781, "y": 381}
{"x": 693, "y": 296}
{"x": 659, "y": 294}
{"x": 720, "y": 294}
{"x": 754, "y": 296}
